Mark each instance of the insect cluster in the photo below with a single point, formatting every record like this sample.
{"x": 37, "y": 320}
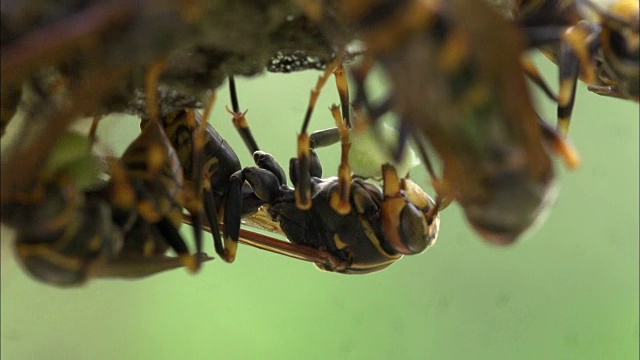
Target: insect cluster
{"x": 456, "y": 85}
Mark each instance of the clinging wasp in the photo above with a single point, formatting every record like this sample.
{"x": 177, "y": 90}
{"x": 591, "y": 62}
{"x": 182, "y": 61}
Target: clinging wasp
{"x": 346, "y": 225}
{"x": 70, "y": 227}
{"x": 456, "y": 83}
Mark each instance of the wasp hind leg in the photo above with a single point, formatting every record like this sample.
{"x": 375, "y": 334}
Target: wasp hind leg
{"x": 443, "y": 195}
{"x": 340, "y": 197}
{"x": 531, "y": 71}
{"x": 302, "y": 169}
{"x": 201, "y": 203}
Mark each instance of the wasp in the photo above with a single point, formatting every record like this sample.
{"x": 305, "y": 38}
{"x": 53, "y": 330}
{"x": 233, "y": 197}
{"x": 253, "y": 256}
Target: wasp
{"x": 69, "y": 230}
{"x": 596, "y": 42}
{"x": 455, "y": 83}
{"x": 62, "y": 228}
{"x": 342, "y": 224}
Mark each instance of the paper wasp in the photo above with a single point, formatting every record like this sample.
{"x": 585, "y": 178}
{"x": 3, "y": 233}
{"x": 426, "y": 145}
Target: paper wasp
{"x": 119, "y": 228}
{"x": 72, "y": 226}
{"x": 456, "y": 84}
{"x": 598, "y": 43}
{"x": 342, "y": 224}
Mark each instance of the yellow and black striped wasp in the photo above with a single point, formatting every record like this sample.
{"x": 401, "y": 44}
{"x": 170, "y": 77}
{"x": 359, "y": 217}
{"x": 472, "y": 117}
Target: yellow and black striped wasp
{"x": 596, "y": 41}
{"x": 456, "y": 83}
{"x": 68, "y": 232}
{"x": 62, "y": 227}
{"x": 342, "y": 224}
{"x": 71, "y": 227}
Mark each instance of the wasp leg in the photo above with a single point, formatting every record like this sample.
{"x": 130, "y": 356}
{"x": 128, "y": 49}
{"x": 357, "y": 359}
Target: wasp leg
{"x": 560, "y": 144}
{"x": 315, "y": 168}
{"x": 324, "y": 138}
{"x": 265, "y": 185}
{"x": 302, "y": 168}
{"x": 567, "y": 93}
{"x": 577, "y": 45}
{"x": 360, "y": 74}
{"x": 576, "y": 52}
{"x": 240, "y": 120}
{"x": 320, "y": 138}
{"x": 442, "y": 199}
{"x": 170, "y": 233}
{"x": 328, "y": 137}
{"x": 374, "y": 113}
{"x": 340, "y": 198}
{"x": 343, "y": 92}
{"x": 244, "y": 200}
{"x": 195, "y": 206}
{"x": 151, "y": 81}
{"x": 233, "y": 212}
{"x": 317, "y": 139}
{"x": 211, "y": 212}
{"x": 266, "y": 161}
{"x": 531, "y": 71}
{"x": 250, "y": 205}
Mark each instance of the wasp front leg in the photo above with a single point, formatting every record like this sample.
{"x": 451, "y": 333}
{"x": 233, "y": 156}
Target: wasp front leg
{"x": 303, "y": 165}
{"x": 340, "y": 198}
{"x": 202, "y": 202}
{"x": 265, "y": 180}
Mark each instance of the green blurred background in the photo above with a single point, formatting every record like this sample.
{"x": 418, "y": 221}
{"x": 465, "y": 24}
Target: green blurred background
{"x": 567, "y": 291}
